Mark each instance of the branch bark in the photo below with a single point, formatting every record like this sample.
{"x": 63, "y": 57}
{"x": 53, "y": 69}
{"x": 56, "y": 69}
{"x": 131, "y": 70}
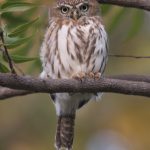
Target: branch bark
{"x": 142, "y": 4}
{"x": 124, "y": 84}
{"x": 9, "y": 93}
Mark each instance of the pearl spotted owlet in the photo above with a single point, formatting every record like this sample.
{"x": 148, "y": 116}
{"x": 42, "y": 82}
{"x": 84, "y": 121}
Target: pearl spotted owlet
{"x": 75, "y": 45}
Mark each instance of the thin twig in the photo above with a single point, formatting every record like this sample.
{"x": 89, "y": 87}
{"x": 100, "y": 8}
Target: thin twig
{"x": 6, "y": 53}
{"x": 129, "y": 56}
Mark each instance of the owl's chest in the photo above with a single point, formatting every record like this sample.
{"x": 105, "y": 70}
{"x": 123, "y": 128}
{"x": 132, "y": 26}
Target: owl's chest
{"x": 73, "y": 48}
{"x": 73, "y": 43}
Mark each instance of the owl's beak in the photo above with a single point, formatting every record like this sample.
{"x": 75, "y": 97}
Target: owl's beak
{"x": 76, "y": 15}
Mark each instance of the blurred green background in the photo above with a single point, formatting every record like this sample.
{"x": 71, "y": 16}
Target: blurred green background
{"x": 117, "y": 122}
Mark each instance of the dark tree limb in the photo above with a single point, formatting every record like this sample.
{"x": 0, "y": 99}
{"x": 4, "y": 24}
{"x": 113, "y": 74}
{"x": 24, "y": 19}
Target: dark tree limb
{"x": 141, "y": 4}
{"x": 9, "y": 93}
{"x": 130, "y": 85}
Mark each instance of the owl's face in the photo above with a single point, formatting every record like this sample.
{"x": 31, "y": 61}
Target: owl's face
{"x": 75, "y": 9}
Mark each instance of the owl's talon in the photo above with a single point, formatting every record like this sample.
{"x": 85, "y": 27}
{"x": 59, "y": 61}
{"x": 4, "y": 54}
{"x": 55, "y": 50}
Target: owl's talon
{"x": 79, "y": 76}
{"x": 94, "y": 76}
{"x": 97, "y": 75}
{"x": 90, "y": 75}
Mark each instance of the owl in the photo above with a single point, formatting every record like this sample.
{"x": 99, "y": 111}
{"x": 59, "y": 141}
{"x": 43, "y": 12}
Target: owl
{"x": 74, "y": 46}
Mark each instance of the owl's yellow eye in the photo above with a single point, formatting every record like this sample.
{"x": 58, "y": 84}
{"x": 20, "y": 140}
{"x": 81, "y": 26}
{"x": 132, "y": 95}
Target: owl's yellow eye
{"x": 64, "y": 9}
{"x": 84, "y": 7}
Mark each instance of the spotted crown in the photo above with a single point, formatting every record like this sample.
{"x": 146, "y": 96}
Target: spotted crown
{"x": 70, "y": 2}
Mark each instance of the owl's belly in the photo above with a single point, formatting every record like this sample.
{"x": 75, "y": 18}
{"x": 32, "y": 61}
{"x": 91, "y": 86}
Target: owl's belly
{"x": 74, "y": 49}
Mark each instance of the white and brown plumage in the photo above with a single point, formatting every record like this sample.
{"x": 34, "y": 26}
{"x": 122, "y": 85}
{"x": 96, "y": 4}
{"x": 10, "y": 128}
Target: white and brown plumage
{"x": 75, "y": 44}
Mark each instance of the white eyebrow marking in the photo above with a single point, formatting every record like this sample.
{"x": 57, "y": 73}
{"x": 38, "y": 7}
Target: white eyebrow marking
{"x": 78, "y": 5}
{"x": 66, "y": 5}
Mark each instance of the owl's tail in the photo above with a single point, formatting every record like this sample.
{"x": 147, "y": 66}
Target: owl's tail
{"x": 65, "y": 132}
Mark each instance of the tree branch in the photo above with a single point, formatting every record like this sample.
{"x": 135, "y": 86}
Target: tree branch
{"x": 9, "y": 93}
{"x": 142, "y": 4}
{"x": 125, "y": 84}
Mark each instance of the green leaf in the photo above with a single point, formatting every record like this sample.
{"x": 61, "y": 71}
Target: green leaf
{"x": 137, "y": 23}
{"x": 3, "y": 68}
{"x": 25, "y": 49}
{"x": 16, "y": 42}
{"x": 20, "y": 29}
{"x": 116, "y": 20}
{"x": 16, "y": 6}
{"x": 21, "y": 59}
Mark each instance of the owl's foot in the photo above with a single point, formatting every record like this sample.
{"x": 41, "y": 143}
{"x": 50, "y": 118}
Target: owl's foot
{"x": 79, "y": 76}
{"x": 94, "y": 76}
{"x": 82, "y": 76}
{"x": 97, "y": 75}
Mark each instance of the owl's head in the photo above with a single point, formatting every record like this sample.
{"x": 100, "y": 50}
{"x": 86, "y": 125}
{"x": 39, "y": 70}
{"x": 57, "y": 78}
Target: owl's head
{"x": 75, "y": 9}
